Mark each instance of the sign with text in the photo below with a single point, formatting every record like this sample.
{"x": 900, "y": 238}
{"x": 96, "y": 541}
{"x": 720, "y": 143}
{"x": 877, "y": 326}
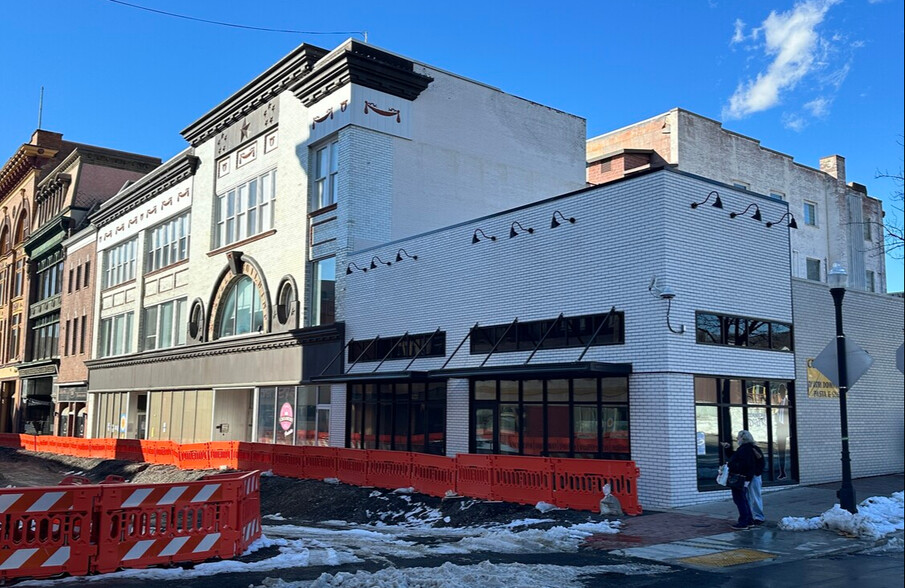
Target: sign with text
{"x": 819, "y": 386}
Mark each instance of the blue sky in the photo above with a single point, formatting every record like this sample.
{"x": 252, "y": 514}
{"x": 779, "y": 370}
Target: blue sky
{"x": 807, "y": 78}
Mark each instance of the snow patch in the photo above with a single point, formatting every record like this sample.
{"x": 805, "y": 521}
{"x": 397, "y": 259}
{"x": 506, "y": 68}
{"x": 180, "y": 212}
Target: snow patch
{"x": 877, "y": 517}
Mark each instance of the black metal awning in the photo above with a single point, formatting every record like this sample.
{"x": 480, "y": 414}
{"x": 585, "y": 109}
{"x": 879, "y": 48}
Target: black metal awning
{"x": 374, "y": 376}
{"x": 575, "y": 369}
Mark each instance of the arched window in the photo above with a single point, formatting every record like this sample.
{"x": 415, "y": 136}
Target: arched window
{"x": 22, "y": 228}
{"x": 240, "y": 312}
{"x": 4, "y": 241}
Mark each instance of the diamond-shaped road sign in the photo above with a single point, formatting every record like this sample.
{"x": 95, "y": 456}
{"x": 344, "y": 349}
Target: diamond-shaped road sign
{"x": 857, "y": 361}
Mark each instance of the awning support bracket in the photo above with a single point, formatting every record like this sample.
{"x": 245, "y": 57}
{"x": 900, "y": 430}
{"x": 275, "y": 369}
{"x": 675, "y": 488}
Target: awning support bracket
{"x": 390, "y": 352}
{"x": 459, "y": 346}
{"x": 497, "y": 342}
{"x": 608, "y": 316}
{"x": 422, "y": 348}
{"x": 542, "y": 339}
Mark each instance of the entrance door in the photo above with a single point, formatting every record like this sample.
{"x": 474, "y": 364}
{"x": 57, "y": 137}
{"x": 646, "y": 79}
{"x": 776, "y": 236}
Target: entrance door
{"x": 232, "y": 415}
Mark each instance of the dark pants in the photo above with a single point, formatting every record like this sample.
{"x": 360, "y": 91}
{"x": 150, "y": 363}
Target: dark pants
{"x": 740, "y": 498}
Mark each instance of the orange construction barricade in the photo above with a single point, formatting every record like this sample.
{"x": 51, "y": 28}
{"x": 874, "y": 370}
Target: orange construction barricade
{"x": 389, "y": 469}
{"x": 525, "y": 480}
{"x": 578, "y": 483}
{"x": 474, "y": 475}
{"x": 255, "y": 456}
{"x": 352, "y": 466}
{"x": 194, "y": 456}
{"x": 225, "y": 453}
{"x": 288, "y": 461}
{"x": 433, "y": 474}
{"x": 320, "y": 462}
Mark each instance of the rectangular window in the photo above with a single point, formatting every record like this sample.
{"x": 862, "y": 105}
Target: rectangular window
{"x": 724, "y": 406}
{"x": 82, "y": 328}
{"x": 164, "y": 325}
{"x": 736, "y": 331}
{"x": 86, "y": 276}
{"x": 777, "y": 195}
{"x": 46, "y": 334}
{"x": 740, "y": 185}
{"x": 71, "y": 280}
{"x": 562, "y": 333}
{"x": 326, "y": 171}
{"x": 810, "y": 213}
{"x": 323, "y": 295}
{"x": 68, "y": 337}
{"x": 119, "y": 263}
{"x": 399, "y": 416}
{"x": 580, "y": 418}
{"x": 115, "y": 335}
{"x": 50, "y": 280}
{"x": 245, "y": 210}
{"x": 868, "y": 231}
{"x": 813, "y": 270}
{"x": 72, "y": 336}
{"x": 870, "y": 281}
{"x": 403, "y": 347}
{"x": 19, "y": 277}
{"x": 168, "y": 243}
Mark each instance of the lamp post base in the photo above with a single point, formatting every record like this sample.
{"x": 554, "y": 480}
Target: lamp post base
{"x": 846, "y": 496}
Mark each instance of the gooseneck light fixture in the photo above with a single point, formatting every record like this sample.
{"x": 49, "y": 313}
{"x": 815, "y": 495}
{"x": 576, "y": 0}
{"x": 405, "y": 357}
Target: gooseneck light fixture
{"x": 555, "y": 223}
{"x": 838, "y": 280}
{"x": 665, "y": 293}
{"x": 717, "y": 203}
{"x": 792, "y": 224}
{"x": 755, "y": 216}
{"x": 375, "y": 260}
{"x": 402, "y": 252}
{"x": 514, "y": 233}
{"x": 476, "y": 239}
{"x": 349, "y": 269}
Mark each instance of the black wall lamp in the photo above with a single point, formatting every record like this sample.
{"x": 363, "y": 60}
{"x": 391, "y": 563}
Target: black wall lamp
{"x": 375, "y": 260}
{"x": 475, "y": 239}
{"x": 792, "y": 224}
{"x": 402, "y": 252}
{"x": 513, "y": 232}
{"x": 555, "y": 223}
{"x": 349, "y": 267}
{"x": 755, "y": 216}
{"x": 716, "y": 203}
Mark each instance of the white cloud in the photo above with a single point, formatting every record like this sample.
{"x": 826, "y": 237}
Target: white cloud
{"x": 819, "y": 107}
{"x": 794, "y": 122}
{"x": 739, "y": 35}
{"x": 794, "y": 45}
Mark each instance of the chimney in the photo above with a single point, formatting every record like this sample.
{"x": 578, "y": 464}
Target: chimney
{"x": 834, "y": 165}
{"x": 47, "y": 139}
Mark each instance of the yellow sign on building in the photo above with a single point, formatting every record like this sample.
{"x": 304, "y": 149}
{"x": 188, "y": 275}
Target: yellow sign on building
{"x": 819, "y": 386}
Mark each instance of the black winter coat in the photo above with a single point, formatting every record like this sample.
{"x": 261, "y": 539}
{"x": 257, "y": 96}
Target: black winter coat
{"x": 743, "y": 461}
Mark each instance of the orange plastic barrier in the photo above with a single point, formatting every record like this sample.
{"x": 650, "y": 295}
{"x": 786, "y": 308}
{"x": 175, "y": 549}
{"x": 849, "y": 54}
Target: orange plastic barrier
{"x": 194, "y": 456}
{"x": 255, "y": 456}
{"x": 352, "y": 466}
{"x": 15, "y": 441}
{"x": 475, "y": 475}
{"x": 161, "y": 452}
{"x": 224, "y": 453}
{"x": 289, "y": 461}
{"x": 578, "y": 483}
{"x": 388, "y": 469}
{"x": 524, "y": 480}
{"x": 46, "y": 531}
{"x": 433, "y": 474}
{"x": 129, "y": 450}
{"x": 320, "y": 462}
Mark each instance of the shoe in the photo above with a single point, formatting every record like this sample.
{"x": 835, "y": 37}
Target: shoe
{"x": 737, "y": 527}
{"x": 758, "y": 523}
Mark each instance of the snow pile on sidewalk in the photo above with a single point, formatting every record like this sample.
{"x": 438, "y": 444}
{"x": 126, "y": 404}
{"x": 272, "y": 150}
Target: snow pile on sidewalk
{"x": 877, "y": 517}
{"x": 484, "y": 574}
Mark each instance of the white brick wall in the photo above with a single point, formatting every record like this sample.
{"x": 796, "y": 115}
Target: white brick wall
{"x": 625, "y": 233}
{"x": 875, "y": 405}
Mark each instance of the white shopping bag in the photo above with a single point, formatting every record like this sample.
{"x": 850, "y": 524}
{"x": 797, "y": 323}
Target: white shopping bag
{"x": 723, "y": 475}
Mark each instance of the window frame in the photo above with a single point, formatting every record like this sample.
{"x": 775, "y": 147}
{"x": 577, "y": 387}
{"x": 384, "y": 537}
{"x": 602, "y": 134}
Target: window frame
{"x": 107, "y": 342}
{"x": 810, "y": 262}
{"x": 177, "y": 322}
{"x": 318, "y": 316}
{"x": 255, "y": 310}
{"x": 168, "y": 243}
{"x": 809, "y": 218}
{"x": 731, "y": 333}
{"x": 239, "y": 207}
{"x": 119, "y": 263}
{"x": 326, "y": 187}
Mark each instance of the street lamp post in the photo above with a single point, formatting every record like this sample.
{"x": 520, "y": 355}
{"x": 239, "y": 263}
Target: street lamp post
{"x": 837, "y": 279}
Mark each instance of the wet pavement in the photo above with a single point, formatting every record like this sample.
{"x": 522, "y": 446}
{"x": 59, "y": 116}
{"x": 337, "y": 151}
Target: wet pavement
{"x": 699, "y": 537}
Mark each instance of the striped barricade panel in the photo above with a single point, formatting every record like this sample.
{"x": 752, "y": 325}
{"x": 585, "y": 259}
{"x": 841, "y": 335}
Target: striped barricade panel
{"x": 144, "y": 525}
{"x": 320, "y": 462}
{"x": 433, "y": 474}
{"x": 578, "y": 483}
{"x": 474, "y": 475}
{"x": 525, "y": 480}
{"x": 249, "y": 510}
{"x": 46, "y": 531}
{"x": 352, "y": 466}
{"x": 389, "y": 469}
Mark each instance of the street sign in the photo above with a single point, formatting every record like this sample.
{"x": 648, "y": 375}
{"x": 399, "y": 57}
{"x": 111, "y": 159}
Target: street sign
{"x": 857, "y": 361}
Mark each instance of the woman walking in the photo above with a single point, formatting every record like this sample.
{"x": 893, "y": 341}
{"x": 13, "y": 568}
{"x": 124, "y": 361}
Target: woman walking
{"x": 742, "y": 462}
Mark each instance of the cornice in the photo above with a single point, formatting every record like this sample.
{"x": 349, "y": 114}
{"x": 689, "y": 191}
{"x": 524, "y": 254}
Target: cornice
{"x": 361, "y": 64}
{"x": 23, "y": 161}
{"x": 256, "y": 93}
{"x": 51, "y": 184}
{"x": 164, "y": 177}
{"x": 295, "y": 338}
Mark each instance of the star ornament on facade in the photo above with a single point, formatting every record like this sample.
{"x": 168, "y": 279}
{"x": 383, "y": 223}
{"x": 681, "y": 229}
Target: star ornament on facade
{"x": 245, "y": 126}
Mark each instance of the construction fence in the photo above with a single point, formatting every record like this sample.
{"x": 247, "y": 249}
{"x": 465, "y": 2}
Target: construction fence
{"x": 568, "y": 483}
{"x": 81, "y": 529}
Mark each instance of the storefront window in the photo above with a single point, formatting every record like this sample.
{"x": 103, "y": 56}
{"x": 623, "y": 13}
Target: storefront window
{"x": 398, "y": 417}
{"x": 582, "y": 417}
{"x": 266, "y": 409}
{"x": 725, "y": 406}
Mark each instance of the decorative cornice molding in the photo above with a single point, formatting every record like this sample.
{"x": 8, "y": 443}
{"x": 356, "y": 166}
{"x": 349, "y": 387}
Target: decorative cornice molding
{"x": 93, "y": 155}
{"x": 256, "y": 93}
{"x": 294, "y": 338}
{"x": 49, "y": 186}
{"x": 166, "y": 176}
{"x": 23, "y": 161}
{"x": 364, "y": 65}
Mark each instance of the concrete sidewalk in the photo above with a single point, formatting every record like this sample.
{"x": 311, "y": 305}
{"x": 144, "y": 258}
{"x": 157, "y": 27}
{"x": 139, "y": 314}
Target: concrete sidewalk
{"x": 699, "y": 536}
